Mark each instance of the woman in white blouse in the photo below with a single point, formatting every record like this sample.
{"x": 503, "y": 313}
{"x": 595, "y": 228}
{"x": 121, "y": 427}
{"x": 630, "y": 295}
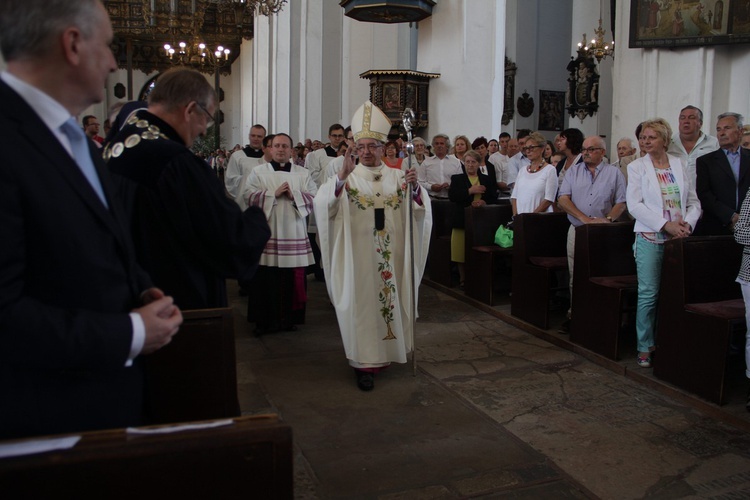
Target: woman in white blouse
{"x": 536, "y": 184}
{"x": 664, "y": 205}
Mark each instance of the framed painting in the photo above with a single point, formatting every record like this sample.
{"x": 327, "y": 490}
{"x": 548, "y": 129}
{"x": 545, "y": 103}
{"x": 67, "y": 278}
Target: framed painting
{"x": 551, "y": 110}
{"x": 392, "y": 98}
{"x": 688, "y": 23}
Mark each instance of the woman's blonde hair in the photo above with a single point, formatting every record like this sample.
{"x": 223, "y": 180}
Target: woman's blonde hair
{"x": 661, "y": 127}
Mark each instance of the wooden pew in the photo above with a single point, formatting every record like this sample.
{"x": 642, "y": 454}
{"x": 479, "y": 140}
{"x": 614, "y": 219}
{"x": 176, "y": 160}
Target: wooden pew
{"x": 700, "y": 306}
{"x": 539, "y": 251}
{"x": 439, "y": 265}
{"x": 482, "y": 255}
{"x": 604, "y": 286}
{"x": 252, "y": 458}
{"x": 194, "y": 377}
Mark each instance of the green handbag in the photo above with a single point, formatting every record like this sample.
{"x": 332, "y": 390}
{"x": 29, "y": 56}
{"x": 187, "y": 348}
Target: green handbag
{"x": 504, "y": 237}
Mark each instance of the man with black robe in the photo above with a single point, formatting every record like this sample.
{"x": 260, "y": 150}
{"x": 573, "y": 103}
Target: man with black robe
{"x": 189, "y": 236}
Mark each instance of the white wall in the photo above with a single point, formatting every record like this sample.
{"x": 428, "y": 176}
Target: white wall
{"x": 464, "y": 43}
{"x": 369, "y": 46}
{"x": 306, "y": 63}
{"x": 660, "y": 82}
{"x": 584, "y": 20}
{"x": 540, "y": 66}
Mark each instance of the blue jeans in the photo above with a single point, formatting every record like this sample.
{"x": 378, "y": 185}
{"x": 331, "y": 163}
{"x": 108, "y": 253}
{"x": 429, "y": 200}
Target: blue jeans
{"x": 746, "y": 296}
{"x": 648, "y": 259}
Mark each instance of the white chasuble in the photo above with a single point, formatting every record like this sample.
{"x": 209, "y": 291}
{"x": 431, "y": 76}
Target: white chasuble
{"x": 289, "y": 245}
{"x": 368, "y": 270}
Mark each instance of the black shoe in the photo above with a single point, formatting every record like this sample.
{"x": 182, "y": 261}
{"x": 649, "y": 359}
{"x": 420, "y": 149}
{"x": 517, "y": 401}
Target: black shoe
{"x": 564, "y": 328}
{"x": 365, "y": 380}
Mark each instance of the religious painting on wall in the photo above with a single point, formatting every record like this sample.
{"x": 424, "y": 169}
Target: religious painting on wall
{"x": 391, "y": 98}
{"x": 551, "y": 110}
{"x": 688, "y": 23}
{"x": 581, "y": 98}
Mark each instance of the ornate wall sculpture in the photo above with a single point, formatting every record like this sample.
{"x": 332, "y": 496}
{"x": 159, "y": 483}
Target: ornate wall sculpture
{"x": 510, "y": 83}
{"x": 394, "y": 90}
{"x": 583, "y": 87}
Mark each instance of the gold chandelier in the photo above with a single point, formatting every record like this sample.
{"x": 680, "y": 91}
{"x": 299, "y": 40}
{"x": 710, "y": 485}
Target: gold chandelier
{"x": 143, "y": 27}
{"x": 597, "y": 47}
{"x": 197, "y": 54}
{"x": 243, "y": 8}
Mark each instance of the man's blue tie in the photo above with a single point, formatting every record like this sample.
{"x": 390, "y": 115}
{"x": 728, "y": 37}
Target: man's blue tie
{"x": 82, "y": 157}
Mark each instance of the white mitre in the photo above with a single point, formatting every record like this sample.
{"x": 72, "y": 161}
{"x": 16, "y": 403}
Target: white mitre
{"x": 369, "y": 122}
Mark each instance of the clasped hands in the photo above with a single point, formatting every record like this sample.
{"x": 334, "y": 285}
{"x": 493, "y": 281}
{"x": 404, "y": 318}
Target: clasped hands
{"x": 161, "y": 318}
{"x": 284, "y": 188}
{"x": 678, "y": 229}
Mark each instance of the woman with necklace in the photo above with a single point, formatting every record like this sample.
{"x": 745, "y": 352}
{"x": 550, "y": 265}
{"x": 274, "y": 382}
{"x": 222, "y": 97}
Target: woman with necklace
{"x": 536, "y": 184}
{"x": 664, "y": 205}
{"x": 471, "y": 188}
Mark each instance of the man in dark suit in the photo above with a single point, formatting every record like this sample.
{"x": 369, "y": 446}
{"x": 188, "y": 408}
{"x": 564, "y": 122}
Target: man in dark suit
{"x": 723, "y": 178}
{"x": 72, "y": 319}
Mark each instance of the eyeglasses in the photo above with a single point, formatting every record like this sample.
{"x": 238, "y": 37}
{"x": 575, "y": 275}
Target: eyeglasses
{"x": 529, "y": 148}
{"x": 590, "y": 150}
{"x": 337, "y": 136}
{"x": 369, "y": 147}
{"x": 210, "y": 121}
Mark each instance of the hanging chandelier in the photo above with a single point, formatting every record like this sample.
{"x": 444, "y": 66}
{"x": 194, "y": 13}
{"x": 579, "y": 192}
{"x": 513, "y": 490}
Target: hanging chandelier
{"x": 597, "y": 47}
{"x": 197, "y": 54}
{"x": 233, "y": 17}
{"x": 244, "y": 8}
{"x": 143, "y": 27}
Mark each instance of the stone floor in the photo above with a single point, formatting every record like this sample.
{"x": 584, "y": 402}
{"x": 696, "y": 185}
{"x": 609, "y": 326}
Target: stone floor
{"x": 496, "y": 410}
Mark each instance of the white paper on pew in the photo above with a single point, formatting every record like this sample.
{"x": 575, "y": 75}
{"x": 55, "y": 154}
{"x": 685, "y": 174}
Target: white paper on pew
{"x": 37, "y": 446}
{"x": 179, "y": 428}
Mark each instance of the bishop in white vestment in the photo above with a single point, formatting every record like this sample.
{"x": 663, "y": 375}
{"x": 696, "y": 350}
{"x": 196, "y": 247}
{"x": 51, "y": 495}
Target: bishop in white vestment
{"x": 363, "y": 226}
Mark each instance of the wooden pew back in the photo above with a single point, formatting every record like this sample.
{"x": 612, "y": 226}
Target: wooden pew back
{"x": 439, "y": 263}
{"x": 539, "y": 251}
{"x": 483, "y": 258}
{"x": 194, "y": 377}
{"x": 482, "y": 223}
{"x": 608, "y": 249}
{"x": 250, "y": 459}
{"x": 542, "y": 235}
{"x": 700, "y": 307}
{"x": 711, "y": 264}
{"x": 442, "y": 211}
{"x": 604, "y": 286}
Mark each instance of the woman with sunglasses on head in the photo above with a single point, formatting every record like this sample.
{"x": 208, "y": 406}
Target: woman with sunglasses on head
{"x": 536, "y": 184}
